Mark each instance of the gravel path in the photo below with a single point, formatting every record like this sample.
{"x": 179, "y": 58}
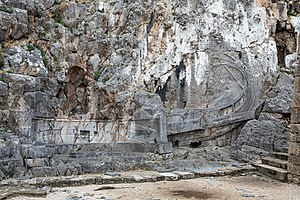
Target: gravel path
{"x": 251, "y": 186}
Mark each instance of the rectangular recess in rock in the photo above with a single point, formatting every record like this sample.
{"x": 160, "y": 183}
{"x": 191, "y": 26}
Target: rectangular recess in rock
{"x": 85, "y": 135}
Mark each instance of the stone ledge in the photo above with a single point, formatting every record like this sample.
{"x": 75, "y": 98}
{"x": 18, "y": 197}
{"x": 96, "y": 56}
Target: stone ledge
{"x": 125, "y": 177}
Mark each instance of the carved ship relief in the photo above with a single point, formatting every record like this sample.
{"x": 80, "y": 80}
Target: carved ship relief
{"x": 224, "y": 115}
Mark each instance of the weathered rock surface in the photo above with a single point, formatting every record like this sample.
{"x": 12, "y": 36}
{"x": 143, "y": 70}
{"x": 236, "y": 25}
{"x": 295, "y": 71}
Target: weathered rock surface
{"x": 14, "y": 22}
{"x": 280, "y": 97}
{"x": 267, "y": 135}
{"x": 11, "y": 163}
{"x": 26, "y": 60}
{"x": 191, "y": 72}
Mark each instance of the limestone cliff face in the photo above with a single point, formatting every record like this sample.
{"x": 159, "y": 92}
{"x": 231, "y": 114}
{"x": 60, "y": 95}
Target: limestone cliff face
{"x": 80, "y": 71}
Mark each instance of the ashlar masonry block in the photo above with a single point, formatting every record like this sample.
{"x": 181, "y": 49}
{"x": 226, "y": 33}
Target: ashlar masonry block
{"x": 294, "y": 169}
{"x": 295, "y": 118}
{"x": 295, "y": 128}
{"x": 297, "y": 84}
{"x": 297, "y": 70}
{"x": 294, "y": 149}
{"x": 295, "y": 137}
{"x": 296, "y": 101}
{"x": 294, "y": 160}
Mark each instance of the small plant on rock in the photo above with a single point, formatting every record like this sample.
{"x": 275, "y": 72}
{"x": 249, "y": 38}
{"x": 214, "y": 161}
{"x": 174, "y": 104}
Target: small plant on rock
{"x": 105, "y": 79}
{"x": 58, "y": 68}
{"x": 1, "y": 59}
{"x": 97, "y": 75}
{"x": 30, "y": 47}
{"x": 59, "y": 20}
{"x": 45, "y": 61}
{"x": 43, "y": 52}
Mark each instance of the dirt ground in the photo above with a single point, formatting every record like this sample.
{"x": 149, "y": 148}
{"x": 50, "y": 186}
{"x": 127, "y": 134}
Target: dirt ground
{"x": 231, "y": 188}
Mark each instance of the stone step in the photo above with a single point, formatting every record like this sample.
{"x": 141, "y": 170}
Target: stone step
{"x": 280, "y": 155}
{"x": 274, "y": 162}
{"x": 273, "y": 172}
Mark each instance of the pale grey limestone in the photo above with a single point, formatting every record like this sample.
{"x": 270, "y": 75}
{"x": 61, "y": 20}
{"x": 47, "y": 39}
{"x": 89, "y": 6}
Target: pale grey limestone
{"x": 133, "y": 76}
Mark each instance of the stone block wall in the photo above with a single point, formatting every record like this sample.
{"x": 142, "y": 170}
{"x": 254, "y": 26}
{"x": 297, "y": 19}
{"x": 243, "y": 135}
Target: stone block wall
{"x": 294, "y": 143}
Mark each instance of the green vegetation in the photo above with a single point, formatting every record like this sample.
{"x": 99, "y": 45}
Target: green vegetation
{"x": 30, "y": 47}
{"x": 54, "y": 58}
{"x": 7, "y": 130}
{"x": 1, "y": 59}
{"x": 58, "y": 67}
{"x": 150, "y": 95}
{"x": 45, "y": 61}
{"x": 105, "y": 79}
{"x": 290, "y": 14}
{"x": 97, "y": 75}
{"x": 56, "y": 2}
{"x": 70, "y": 114}
{"x": 44, "y": 56}
{"x": 41, "y": 50}
{"x": 46, "y": 26}
{"x": 24, "y": 61}
{"x": 6, "y": 9}
{"x": 59, "y": 20}
{"x": 1, "y": 79}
